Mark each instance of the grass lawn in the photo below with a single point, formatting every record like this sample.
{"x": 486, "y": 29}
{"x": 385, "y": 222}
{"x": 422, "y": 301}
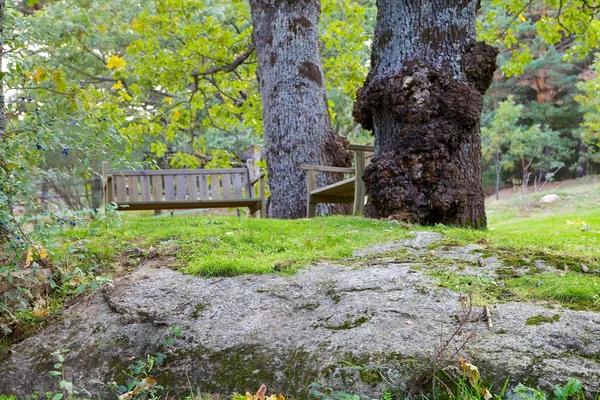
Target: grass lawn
{"x": 565, "y": 232}
{"x": 228, "y": 246}
{"x": 565, "y": 235}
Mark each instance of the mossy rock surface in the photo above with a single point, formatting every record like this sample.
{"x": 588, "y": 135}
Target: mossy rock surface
{"x": 351, "y": 327}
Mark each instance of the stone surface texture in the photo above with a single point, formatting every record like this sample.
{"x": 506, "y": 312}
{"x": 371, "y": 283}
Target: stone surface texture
{"x": 332, "y": 324}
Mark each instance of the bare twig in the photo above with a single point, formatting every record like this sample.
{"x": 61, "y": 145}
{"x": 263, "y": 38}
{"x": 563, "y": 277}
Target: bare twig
{"x": 465, "y": 317}
{"x": 488, "y": 316}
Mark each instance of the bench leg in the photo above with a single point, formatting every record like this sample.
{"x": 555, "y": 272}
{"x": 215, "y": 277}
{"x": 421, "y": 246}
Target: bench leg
{"x": 263, "y": 210}
{"x": 253, "y": 211}
{"x": 311, "y": 209}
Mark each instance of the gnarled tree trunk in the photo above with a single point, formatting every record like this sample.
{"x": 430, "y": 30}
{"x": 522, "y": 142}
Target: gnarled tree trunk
{"x": 295, "y": 115}
{"x": 423, "y": 99}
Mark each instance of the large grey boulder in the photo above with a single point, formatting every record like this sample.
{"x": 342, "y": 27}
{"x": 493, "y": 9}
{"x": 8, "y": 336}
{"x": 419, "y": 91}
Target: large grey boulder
{"x": 344, "y": 326}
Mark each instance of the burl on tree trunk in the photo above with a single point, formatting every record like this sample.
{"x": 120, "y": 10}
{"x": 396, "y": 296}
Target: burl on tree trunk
{"x": 422, "y": 99}
{"x": 295, "y": 112}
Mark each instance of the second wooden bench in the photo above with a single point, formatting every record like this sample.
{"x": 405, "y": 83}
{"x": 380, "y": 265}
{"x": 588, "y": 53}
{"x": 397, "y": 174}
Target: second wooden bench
{"x": 172, "y": 189}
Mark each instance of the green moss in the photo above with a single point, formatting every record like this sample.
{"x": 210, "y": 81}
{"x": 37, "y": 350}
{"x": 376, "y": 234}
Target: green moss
{"x": 512, "y": 259}
{"x": 350, "y": 323}
{"x": 198, "y": 308}
{"x": 310, "y": 306}
{"x": 504, "y": 272}
{"x": 370, "y": 376}
{"x": 300, "y": 373}
{"x": 542, "y": 319}
{"x": 241, "y": 368}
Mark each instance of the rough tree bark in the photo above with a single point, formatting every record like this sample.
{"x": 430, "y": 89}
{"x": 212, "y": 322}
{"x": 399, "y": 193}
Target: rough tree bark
{"x": 423, "y": 99}
{"x": 295, "y": 116}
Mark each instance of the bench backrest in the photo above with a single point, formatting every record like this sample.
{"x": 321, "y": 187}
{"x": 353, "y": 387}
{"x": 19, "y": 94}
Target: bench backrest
{"x": 181, "y": 184}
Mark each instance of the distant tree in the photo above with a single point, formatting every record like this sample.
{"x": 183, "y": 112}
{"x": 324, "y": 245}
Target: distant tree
{"x": 3, "y": 231}
{"x": 589, "y": 101}
{"x": 497, "y": 135}
{"x": 545, "y": 86}
{"x": 536, "y": 147}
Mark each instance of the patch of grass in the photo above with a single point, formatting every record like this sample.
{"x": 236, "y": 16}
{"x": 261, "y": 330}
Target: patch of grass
{"x": 565, "y": 233}
{"x": 483, "y": 290}
{"x": 574, "y": 290}
{"x": 229, "y": 246}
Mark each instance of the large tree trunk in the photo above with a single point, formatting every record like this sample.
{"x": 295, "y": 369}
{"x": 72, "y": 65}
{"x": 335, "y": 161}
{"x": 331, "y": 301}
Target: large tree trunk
{"x": 423, "y": 99}
{"x": 295, "y": 114}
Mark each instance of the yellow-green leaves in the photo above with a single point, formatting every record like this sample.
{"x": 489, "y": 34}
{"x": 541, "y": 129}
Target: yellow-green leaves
{"x": 517, "y": 62}
{"x": 115, "y": 62}
{"x": 573, "y": 24}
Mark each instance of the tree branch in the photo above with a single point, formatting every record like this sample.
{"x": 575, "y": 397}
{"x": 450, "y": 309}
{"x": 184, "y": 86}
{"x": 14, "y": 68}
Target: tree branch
{"x": 227, "y": 67}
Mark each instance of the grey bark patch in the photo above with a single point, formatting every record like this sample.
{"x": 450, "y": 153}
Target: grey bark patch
{"x": 289, "y": 331}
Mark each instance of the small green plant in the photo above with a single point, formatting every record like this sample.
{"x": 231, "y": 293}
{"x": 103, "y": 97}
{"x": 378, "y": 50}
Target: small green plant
{"x": 330, "y": 394}
{"x": 573, "y": 389}
{"x": 68, "y": 391}
{"x": 140, "y": 384}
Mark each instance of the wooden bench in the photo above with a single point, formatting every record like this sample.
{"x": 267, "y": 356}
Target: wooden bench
{"x": 348, "y": 191}
{"x": 173, "y": 189}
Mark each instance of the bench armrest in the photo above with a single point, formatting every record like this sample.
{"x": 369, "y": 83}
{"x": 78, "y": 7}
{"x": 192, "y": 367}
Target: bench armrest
{"x": 360, "y": 147}
{"x": 322, "y": 168}
{"x": 257, "y": 178}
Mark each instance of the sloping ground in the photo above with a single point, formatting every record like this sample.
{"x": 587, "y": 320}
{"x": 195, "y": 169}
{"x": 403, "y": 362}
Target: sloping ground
{"x": 567, "y": 185}
{"x": 352, "y": 327}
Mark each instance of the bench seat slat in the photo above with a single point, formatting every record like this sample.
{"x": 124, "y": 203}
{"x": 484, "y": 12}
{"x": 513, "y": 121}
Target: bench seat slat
{"x": 169, "y": 188}
{"x": 145, "y": 183}
{"x": 181, "y": 187}
{"x": 339, "y": 188}
{"x": 133, "y": 188}
{"x": 192, "y": 184}
{"x": 186, "y": 204}
{"x": 215, "y": 187}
